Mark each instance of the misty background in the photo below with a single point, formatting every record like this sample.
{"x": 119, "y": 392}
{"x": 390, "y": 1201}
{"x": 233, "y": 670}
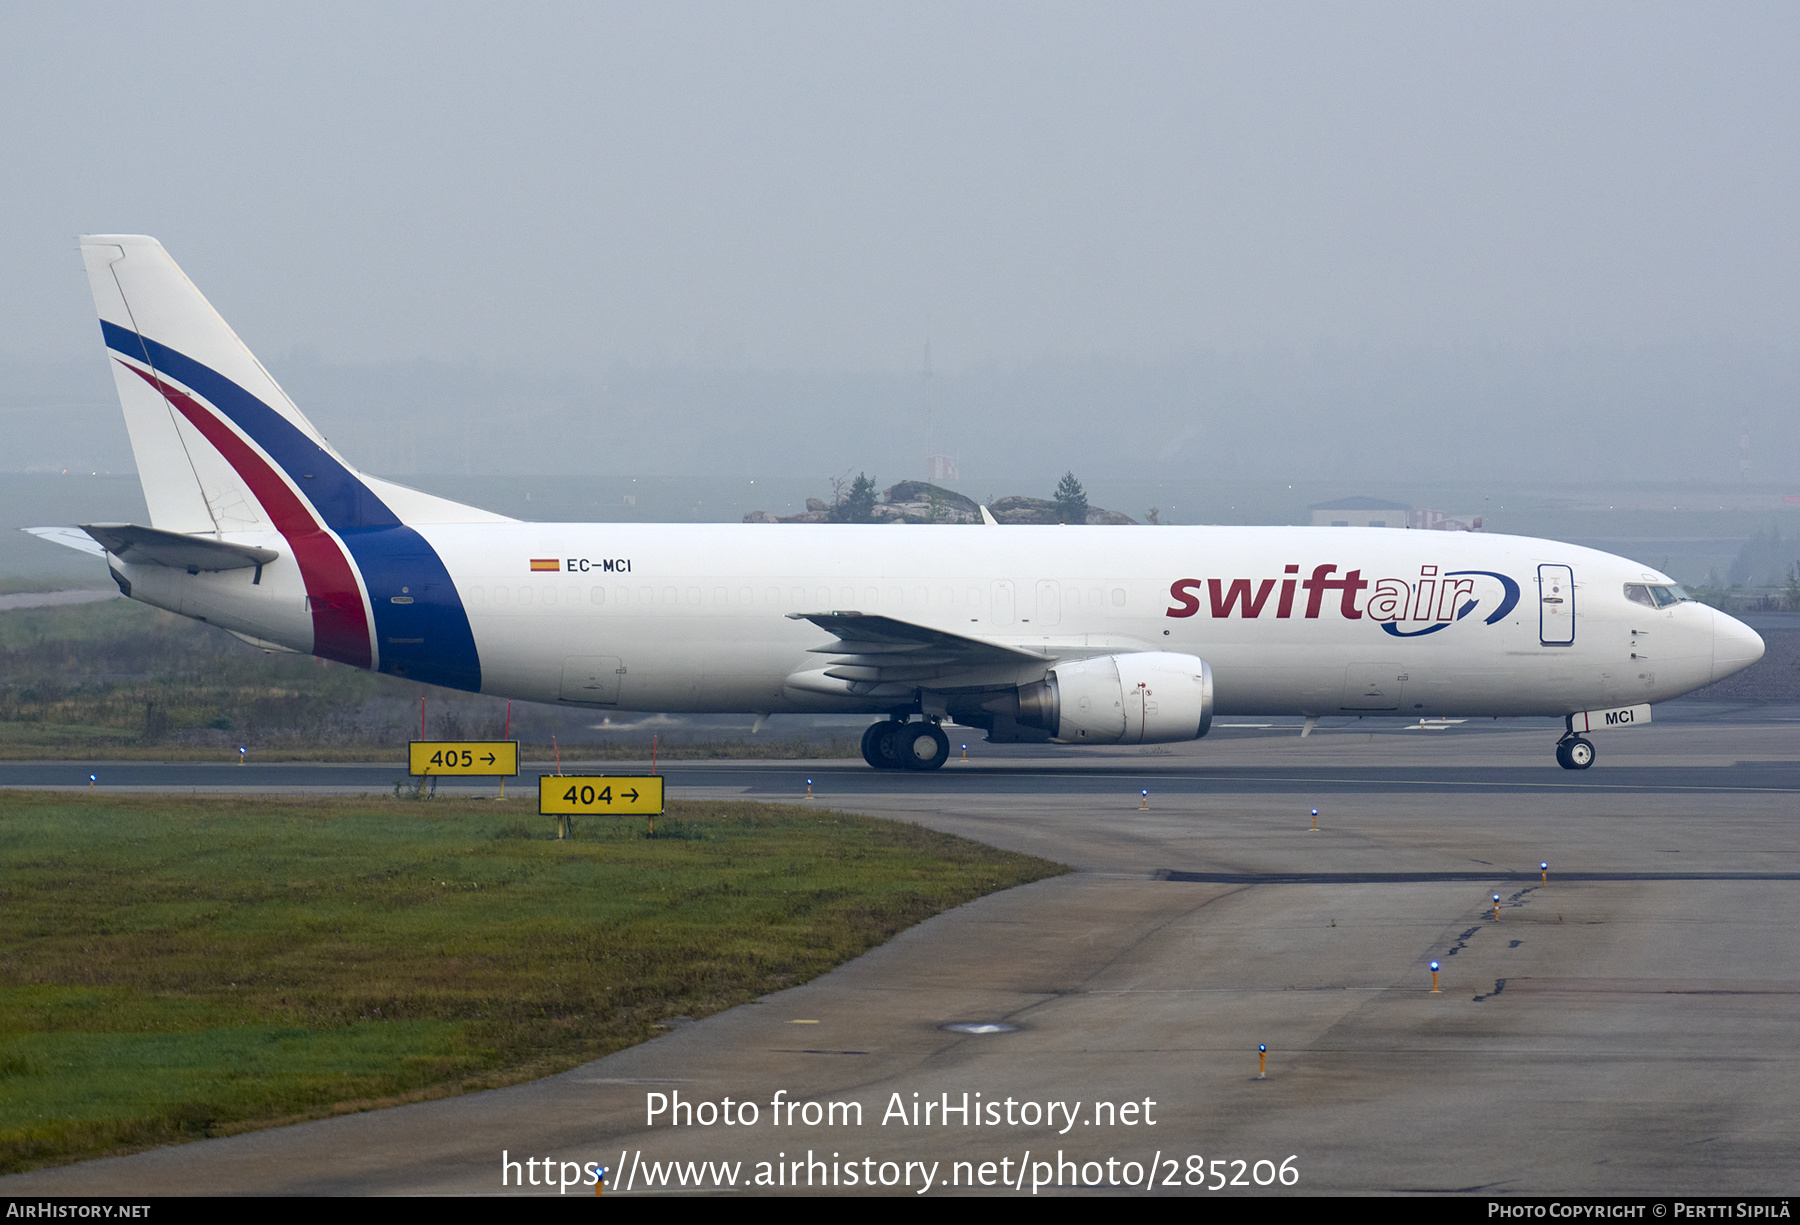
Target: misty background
{"x": 1536, "y": 263}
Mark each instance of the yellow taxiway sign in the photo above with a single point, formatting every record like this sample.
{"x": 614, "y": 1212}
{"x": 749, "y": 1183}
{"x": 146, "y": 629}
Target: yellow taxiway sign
{"x": 466, "y": 757}
{"x": 614, "y": 795}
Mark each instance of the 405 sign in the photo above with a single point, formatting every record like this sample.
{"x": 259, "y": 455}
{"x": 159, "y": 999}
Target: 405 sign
{"x": 598, "y": 795}
{"x": 465, "y": 757}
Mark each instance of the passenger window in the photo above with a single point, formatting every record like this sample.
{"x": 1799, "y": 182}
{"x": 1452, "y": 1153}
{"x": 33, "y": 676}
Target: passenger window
{"x": 1118, "y": 597}
{"x": 1638, "y": 593}
{"x": 597, "y": 595}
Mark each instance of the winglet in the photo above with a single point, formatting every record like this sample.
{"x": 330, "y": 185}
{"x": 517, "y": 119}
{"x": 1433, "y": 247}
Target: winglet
{"x": 987, "y": 517}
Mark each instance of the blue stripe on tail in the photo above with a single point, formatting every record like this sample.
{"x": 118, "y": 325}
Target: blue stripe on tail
{"x": 427, "y": 639}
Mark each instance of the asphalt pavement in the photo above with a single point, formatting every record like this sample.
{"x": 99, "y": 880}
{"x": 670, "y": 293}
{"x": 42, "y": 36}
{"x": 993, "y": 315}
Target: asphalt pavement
{"x": 1626, "y": 1025}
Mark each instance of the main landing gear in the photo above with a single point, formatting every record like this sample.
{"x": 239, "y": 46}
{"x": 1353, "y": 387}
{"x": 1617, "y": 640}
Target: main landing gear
{"x": 1574, "y": 752}
{"x": 896, "y": 744}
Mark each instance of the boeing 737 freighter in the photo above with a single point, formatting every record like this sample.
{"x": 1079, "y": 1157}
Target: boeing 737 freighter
{"x": 1076, "y": 635}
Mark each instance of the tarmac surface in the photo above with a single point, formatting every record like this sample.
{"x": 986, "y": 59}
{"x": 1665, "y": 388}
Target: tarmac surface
{"x": 1628, "y": 1027}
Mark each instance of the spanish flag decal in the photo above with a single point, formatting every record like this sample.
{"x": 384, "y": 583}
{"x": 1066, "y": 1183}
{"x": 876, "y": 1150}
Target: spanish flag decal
{"x": 544, "y": 563}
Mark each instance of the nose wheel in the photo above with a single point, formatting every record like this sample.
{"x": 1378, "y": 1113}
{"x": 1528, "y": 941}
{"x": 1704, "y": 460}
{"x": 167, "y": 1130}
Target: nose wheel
{"x": 1574, "y": 753}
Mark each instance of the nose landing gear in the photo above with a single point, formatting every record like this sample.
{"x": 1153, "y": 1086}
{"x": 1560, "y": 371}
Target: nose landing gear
{"x": 1574, "y": 753}
{"x": 896, "y": 744}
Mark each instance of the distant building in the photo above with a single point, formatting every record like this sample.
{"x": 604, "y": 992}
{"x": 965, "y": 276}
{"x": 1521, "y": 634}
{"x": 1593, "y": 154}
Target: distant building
{"x": 1359, "y": 512}
{"x": 1374, "y": 512}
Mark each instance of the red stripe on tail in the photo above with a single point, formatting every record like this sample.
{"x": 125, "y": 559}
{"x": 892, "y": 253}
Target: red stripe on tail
{"x": 340, "y": 624}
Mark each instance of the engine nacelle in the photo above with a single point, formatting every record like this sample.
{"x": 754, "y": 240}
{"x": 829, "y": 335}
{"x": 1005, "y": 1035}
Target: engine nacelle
{"x": 1148, "y": 697}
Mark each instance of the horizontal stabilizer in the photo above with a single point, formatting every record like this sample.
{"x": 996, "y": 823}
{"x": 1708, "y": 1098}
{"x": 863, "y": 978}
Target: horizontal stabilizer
{"x": 69, "y": 538}
{"x": 153, "y": 546}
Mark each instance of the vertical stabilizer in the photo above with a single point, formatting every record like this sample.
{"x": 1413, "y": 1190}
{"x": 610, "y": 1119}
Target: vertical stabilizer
{"x": 222, "y": 451}
{"x": 161, "y": 442}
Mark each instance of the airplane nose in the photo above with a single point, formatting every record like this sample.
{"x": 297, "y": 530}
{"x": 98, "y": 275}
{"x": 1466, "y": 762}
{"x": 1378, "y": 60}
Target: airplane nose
{"x": 1735, "y": 645}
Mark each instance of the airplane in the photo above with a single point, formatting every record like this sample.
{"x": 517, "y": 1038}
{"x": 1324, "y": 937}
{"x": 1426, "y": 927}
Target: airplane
{"x": 1072, "y": 635}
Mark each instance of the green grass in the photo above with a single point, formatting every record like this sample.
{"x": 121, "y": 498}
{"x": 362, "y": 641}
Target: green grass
{"x": 172, "y": 968}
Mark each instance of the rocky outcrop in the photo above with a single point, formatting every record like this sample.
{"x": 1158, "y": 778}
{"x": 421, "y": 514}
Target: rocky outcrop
{"x": 1018, "y": 509}
{"x": 923, "y": 502}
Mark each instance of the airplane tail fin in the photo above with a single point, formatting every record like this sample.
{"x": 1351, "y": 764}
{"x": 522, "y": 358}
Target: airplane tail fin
{"x": 219, "y": 446}
{"x": 223, "y": 453}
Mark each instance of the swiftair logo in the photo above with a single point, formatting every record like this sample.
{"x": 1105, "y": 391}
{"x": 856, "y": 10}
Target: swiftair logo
{"x": 1402, "y": 607}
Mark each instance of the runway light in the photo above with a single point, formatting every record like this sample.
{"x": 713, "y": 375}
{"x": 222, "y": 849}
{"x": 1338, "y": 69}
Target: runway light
{"x": 1145, "y": 806}
{"x": 809, "y": 788}
{"x": 241, "y": 751}
{"x": 1434, "y": 974}
{"x": 965, "y": 752}
{"x": 1315, "y": 824}
{"x": 1545, "y": 869}
{"x": 92, "y": 779}
{"x": 1262, "y": 1061}
{"x": 1496, "y": 908}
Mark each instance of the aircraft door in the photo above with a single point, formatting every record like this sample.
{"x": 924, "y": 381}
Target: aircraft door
{"x": 592, "y": 679}
{"x": 1556, "y": 606}
{"x": 1001, "y": 601}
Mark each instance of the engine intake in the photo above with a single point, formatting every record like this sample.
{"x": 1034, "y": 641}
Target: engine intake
{"x": 1147, "y": 697}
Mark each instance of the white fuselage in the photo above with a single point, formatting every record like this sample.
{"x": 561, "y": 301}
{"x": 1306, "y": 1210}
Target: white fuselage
{"x": 697, "y": 618}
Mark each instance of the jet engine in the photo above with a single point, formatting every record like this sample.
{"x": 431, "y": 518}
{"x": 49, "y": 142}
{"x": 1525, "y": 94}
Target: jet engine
{"x": 1149, "y": 697}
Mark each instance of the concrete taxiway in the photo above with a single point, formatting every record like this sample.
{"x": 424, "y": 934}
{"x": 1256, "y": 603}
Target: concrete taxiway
{"x": 1628, "y": 1027}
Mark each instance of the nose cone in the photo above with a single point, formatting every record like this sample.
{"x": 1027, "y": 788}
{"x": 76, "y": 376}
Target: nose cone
{"x": 1735, "y": 645}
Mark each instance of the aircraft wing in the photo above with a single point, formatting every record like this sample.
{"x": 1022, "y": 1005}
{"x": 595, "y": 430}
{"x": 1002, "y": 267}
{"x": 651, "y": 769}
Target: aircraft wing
{"x": 872, "y": 649}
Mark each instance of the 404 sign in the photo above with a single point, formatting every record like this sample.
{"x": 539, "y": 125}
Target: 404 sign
{"x": 614, "y": 795}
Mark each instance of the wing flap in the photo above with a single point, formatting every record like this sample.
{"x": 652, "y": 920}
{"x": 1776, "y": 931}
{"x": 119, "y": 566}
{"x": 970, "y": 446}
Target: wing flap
{"x": 874, "y": 650}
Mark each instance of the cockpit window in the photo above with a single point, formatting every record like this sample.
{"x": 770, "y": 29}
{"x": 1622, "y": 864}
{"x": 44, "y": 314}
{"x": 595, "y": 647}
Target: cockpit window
{"x": 1655, "y": 596}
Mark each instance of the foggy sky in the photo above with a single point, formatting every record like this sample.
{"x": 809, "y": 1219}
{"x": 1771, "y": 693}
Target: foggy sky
{"x": 822, "y": 187}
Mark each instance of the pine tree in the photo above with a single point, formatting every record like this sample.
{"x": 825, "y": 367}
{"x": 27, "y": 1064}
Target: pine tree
{"x": 859, "y": 506}
{"x": 1071, "y": 500}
